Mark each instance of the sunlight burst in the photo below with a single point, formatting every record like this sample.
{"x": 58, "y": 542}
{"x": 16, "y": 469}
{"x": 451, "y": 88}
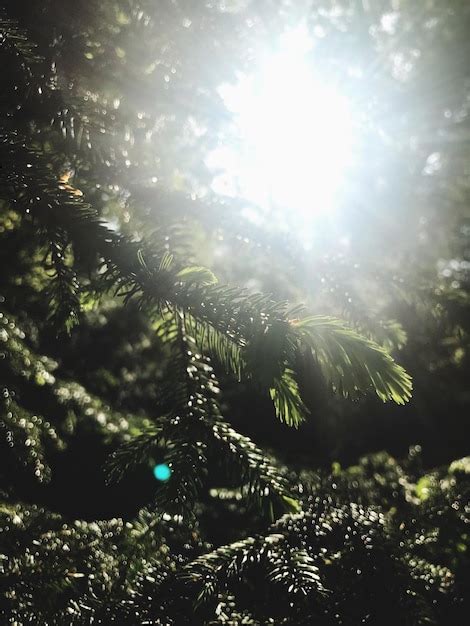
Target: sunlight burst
{"x": 293, "y": 134}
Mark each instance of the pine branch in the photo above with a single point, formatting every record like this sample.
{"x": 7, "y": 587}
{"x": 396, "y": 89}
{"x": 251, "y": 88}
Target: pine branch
{"x": 349, "y": 362}
{"x": 220, "y": 346}
{"x": 65, "y": 117}
{"x": 64, "y": 288}
{"x": 30, "y": 379}
{"x": 79, "y": 573}
{"x": 26, "y": 436}
{"x": 264, "y": 482}
{"x": 352, "y": 364}
{"x": 287, "y": 400}
{"x": 192, "y": 428}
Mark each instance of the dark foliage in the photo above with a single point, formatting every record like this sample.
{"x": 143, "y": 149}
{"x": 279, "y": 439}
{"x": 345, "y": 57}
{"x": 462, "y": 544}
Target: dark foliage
{"x": 125, "y": 342}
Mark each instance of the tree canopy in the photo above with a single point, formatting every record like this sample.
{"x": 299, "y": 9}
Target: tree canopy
{"x": 234, "y": 330}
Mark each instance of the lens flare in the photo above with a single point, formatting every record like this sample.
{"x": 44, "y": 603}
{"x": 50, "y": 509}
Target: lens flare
{"x": 162, "y": 472}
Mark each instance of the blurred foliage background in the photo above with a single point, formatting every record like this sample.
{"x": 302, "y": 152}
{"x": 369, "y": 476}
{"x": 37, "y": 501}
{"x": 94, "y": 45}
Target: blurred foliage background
{"x": 123, "y": 101}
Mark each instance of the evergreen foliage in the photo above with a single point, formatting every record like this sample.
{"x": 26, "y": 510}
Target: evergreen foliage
{"x": 352, "y": 555}
{"x": 90, "y": 247}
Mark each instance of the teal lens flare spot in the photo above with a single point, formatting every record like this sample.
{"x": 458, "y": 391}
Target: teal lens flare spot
{"x": 162, "y": 472}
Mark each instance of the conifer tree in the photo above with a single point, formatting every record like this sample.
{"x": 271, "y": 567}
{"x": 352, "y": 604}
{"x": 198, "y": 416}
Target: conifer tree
{"x": 99, "y": 228}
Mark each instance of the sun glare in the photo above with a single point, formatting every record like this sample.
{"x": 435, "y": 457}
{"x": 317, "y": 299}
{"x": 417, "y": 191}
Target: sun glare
{"x": 293, "y": 134}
